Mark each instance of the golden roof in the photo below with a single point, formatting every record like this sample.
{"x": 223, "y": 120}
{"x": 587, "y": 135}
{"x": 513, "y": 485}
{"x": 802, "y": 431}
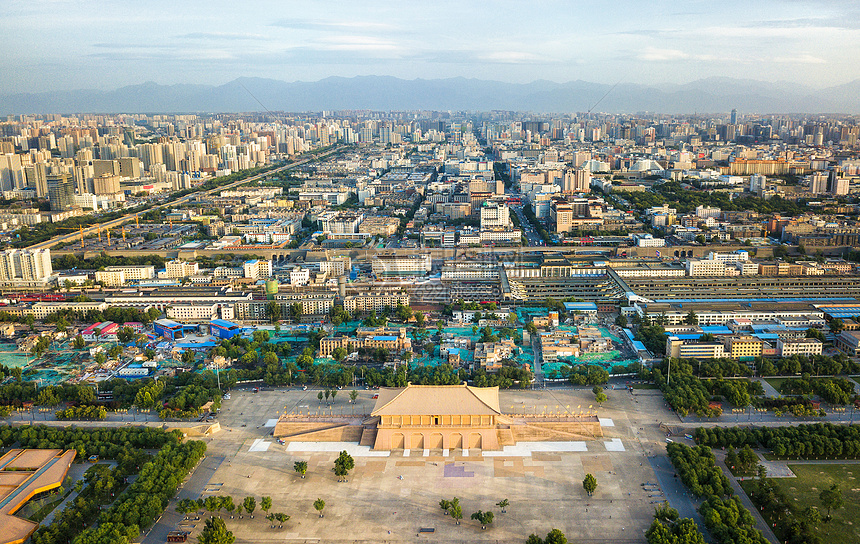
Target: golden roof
{"x": 437, "y": 400}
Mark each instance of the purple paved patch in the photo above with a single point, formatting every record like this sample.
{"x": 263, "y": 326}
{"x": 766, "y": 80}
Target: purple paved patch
{"x": 457, "y": 471}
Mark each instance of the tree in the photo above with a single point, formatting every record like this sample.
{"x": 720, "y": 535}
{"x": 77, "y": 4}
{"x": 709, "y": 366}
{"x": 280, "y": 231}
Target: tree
{"x": 342, "y": 465}
{"x": 600, "y": 397}
{"x": 419, "y": 320}
{"x": 229, "y": 505}
{"x": 333, "y": 395}
{"x": 215, "y": 532}
{"x": 320, "y": 396}
{"x": 319, "y": 504}
{"x": 266, "y": 504}
{"x": 484, "y": 518}
{"x": 125, "y": 335}
{"x": 456, "y": 510}
{"x": 831, "y": 499}
{"x": 621, "y": 321}
{"x": 503, "y": 505}
{"x": 691, "y": 318}
{"x": 188, "y": 357}
{"x": 836, "y": 326}
{"x": 531, "y": 328}
{"x": 445, "y": 505}
{"x": 250, "y": 503}
{"x": 301, "y": 467}
{"x": 664, "y": 512}
{"x": 589, "y": 484}
{"x": 273, "y": 310}
{"x": 78, "y": 342}
{"x": 339, "y": 354}
{"x": 353, "y": 394}
{"x": 553, "y": 537}
{"x": 296, "y": 310}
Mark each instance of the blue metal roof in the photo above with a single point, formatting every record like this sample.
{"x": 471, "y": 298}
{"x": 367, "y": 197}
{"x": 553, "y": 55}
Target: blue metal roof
{"x": 716, "y": 329}
{"x": 741, "y": 300}
{"x": 572, "y": 306}
{"x": 223, "y": 323}
{"x": 385, "y": 338}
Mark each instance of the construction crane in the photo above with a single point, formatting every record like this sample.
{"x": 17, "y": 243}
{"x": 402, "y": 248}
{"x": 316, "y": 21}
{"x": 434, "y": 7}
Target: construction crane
{"x": 123, "y": 233}
{"x": 108, "y": 235}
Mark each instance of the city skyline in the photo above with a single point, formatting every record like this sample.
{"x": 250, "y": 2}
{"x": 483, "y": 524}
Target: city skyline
{"x": 113, "y": 44}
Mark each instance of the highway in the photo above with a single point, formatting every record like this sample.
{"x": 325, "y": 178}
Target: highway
{"x": 170, "y": 204}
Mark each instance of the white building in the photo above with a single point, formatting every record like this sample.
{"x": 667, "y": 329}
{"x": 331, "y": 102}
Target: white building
{"x": 494, "y": 215}
{"x": 647, "y": 240}
{"x": 729, "y": 258}
{"x": 25, "y": 264}
{"x": 300, "y": 276}
{"x": 134, "y": 273}
{"x": 801, "y": 346}
{"x": 696, "y": 267}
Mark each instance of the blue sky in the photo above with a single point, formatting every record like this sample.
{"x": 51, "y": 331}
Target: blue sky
{"x": 77, "y": 44}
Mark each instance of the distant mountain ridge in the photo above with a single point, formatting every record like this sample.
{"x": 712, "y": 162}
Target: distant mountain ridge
{"x": 711, "y": 95}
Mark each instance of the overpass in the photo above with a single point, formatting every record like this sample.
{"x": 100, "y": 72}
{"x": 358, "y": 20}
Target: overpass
{"x": 93, "y": 229}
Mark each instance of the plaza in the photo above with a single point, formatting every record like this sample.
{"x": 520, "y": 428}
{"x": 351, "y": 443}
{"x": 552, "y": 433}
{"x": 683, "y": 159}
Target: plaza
{"x": 399, "y": 491}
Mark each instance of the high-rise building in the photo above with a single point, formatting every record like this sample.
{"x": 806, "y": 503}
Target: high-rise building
{"x": 61, "y": 191}
{"x": 818, "y": 183}
{"x": 758, "y": 184}
{"x": 106, "y": 185}
{"x": 734, "y": 119}
{"x": 25, "y": 264}
{"x": 495, "y": 215}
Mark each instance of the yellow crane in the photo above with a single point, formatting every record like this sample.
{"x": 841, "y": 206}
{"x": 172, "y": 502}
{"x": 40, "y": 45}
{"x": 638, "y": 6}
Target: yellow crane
{"x": 123, "y": 233}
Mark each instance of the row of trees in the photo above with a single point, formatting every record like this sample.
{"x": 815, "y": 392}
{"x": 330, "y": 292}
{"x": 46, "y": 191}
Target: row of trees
{"x": 455, "y": 510}
{"x": 819, "y": 440}
{"x": 725, "y": 517}
{"x": 91, "y": 412}
{"x": 101, "y": 483}
{"x": 216, "y": 503}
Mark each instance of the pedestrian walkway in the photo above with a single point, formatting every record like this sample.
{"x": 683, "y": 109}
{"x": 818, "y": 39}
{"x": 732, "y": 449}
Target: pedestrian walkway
{"x": 760, "y": 523}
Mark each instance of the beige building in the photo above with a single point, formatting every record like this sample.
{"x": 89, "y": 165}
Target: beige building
{"x": 180, "y": 269}
{"x": 394, "y": 340}
{"x": 110, "y": 278}
{"x": 437, "y": 417}
{"x": 800, "y": 346}
{"x": 374, "y": 301}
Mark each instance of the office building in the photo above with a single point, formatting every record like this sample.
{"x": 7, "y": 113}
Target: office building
{"x": 61, "y": 191}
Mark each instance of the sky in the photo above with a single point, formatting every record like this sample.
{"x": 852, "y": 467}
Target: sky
{"x": 96, "y": 44}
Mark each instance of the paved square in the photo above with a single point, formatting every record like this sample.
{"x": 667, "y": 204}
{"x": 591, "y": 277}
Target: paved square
{"x": 542, "y": 480}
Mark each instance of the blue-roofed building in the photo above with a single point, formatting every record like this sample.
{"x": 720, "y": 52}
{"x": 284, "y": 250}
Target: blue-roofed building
{"x": 223, "y": 329}
{"x": 585, "y": 308}
{"x": 169, "y": 329}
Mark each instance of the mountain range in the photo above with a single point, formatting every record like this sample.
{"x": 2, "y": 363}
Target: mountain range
{"x": 383, "y": 93}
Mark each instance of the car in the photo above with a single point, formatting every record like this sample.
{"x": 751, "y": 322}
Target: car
{"x": 375, "y": 396}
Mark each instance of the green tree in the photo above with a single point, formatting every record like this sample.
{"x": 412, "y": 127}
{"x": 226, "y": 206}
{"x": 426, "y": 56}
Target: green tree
{"x": 456, "y": 511}
{"x": 319, "y": 504}
{"x": 621, "y": 321}
{"x": 301, "y": 467}
{"x": 125, "y": 335}
{"x": 831, "y": 499}
{"x": 445, "y": 505}
{"x": 78, "y": 342}
{"x": 503, "y": 505}
{"x": 215, "y": 532}
{"x": 188, "y": 357}
{"x": 589, "y": 484}
{"x": 339, "y": 354}
{"x": 342, "y": 465}
{"x": 250, "y": 503}
{"x": 266, "y": 504}
{"x": 320, "y": 396}
{"x": 836, "y": 326}
{"x": 353, "y": 394}
{"x": 273, "y": 310}
{"x": 295, "y": 310}
{"x": 484, "y": 518}
{"x": 419, "y": 320}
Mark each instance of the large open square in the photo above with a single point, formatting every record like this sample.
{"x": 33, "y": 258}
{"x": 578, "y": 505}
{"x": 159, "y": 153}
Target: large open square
{"x": 391, "y": 495}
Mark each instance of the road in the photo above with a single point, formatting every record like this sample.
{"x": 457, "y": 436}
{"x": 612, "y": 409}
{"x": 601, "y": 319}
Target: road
{"x": 170, "y": 204}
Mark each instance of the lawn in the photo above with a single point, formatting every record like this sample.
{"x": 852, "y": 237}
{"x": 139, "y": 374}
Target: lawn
{"x": 776, "y": 383}
{"x": 844, "y": 528}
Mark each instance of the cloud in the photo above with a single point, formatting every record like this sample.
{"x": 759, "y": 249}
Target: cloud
{"x": 333, "y": 26}
{"x": 220, "y": 36}
{"x": 356, "y": 43}
{"x": 804, "y": 58}
{"x": 654, "y": 54}
{"x": 513, "y": 57}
